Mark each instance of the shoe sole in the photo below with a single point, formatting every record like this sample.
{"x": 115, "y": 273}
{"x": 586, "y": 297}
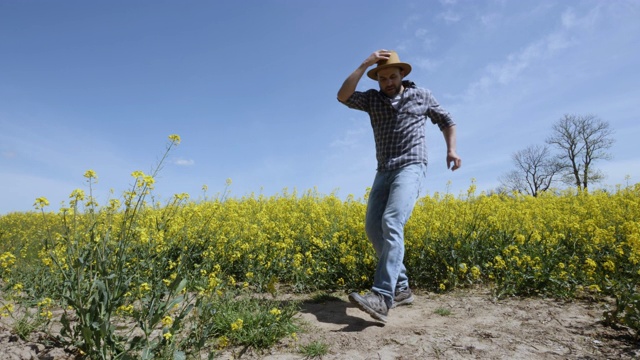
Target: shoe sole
{"x": 374, "y": 314}
{"x": 407, "y": 301}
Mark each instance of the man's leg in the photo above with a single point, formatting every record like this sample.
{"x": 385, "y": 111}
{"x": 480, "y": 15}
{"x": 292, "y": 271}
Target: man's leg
{"x": 374, "y": 303}
{"x": 403, "y": 190}
{"x": 378, "y": 197}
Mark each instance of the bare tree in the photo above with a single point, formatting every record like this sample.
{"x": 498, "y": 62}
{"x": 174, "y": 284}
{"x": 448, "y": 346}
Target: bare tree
{"x": 581, "y": 141}
{"x": 511, "y": 181}
{"x": 535, "y": 171}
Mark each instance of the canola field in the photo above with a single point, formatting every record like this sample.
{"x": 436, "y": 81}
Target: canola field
{"x": 130, "y": 254}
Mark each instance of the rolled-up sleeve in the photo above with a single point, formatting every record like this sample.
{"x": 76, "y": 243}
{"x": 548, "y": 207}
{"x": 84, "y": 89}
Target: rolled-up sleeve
{"x": 437, "y": 114}
{"x": 359, "y": 100}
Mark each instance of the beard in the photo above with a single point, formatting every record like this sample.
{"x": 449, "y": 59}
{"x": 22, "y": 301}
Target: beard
{"x": 392, "y": 90}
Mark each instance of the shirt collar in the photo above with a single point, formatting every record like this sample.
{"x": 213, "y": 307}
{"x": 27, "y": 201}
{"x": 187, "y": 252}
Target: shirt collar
{"x": 408, "y": 84}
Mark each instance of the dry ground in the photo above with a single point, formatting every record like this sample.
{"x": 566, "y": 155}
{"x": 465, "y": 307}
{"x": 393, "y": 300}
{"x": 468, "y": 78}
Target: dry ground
{"x": 477, "y": 327}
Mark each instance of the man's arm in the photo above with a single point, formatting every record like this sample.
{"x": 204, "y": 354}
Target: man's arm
{"x": 349, "y": 86}
{"x": 452, "y": 157}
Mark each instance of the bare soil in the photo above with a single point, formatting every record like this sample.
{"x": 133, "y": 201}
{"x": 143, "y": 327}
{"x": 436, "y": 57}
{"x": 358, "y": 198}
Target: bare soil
{"x": 464, "y": 324}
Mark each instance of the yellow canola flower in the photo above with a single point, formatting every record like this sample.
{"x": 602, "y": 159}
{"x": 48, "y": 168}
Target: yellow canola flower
{"x": 137, "y": 174}
{"x": 41, "y": 202}
{"x": 499, "y": 263}
{"x": 462, "y": 268}
{"x": 590, "y": 266}
{"x": 475, "y": 272}
{"x": 125, "y": 309}
{"x": 7, "y": 259}
{"x": 594, "y": 288}
{"x": 167, "y": 320}
{"x": 223, "y": 342}
{"x": 167, "y": 336}
{"x": 148, "y": 180}
{"x": 77, "y": 194}
{"x": 236, "y": 325}
{"x": 6, "y": 310}
{"x": 175, "y": 139}
{"x": 609, "y": 266}
{"x": 90, "y": 174}
{"x": 275, "y": 311}
{"x": 47, "y": 262}
{"x": 45, "y": 302}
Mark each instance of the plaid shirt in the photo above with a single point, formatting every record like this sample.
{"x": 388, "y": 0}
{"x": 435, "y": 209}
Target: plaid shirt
{"x": 399, "y": 131}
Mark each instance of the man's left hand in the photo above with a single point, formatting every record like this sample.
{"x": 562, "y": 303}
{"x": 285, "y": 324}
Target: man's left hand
{"x": 452, "y": 157}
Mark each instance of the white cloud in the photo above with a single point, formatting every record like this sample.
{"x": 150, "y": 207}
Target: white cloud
{"x": 8, "y": 154}
{"x": 349, "y": 163}
{"x": 570, "y": 20}
{"x": 425, "y": 37}
{"x": 572, "y": 31}
{"x": 351, "y": 138}
{"x": 450, "y": 16}
{"x": 426, "y": 64}
{"x": 511, "y": 69}
{"x": 490, "y": 20}
{"x": 408, "y": 23}
{"x": 558, "y": 41}
{"x": 184, "y": 162}
{"x": 421, "y": 33}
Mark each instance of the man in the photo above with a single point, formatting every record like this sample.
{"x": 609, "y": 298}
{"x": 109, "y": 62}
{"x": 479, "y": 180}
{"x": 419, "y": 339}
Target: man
{"x": 398, "y": 113}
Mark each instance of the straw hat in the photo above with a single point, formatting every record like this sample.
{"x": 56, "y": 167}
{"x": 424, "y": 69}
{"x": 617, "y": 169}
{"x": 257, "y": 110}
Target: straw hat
{"x": 393, "y": 60}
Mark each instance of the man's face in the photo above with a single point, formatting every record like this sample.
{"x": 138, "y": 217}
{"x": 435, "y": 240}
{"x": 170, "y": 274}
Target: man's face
{"x": 390, "y": 80}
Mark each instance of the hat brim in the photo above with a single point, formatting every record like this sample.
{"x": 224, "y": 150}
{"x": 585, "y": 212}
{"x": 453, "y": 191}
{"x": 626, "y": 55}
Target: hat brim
{"x": 373, "y": 73}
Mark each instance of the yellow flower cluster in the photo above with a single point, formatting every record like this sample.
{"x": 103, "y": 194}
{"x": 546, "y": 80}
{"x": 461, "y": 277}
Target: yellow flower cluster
{"x": 6, "y": 310}
{"x": 44, "y": 307}
{"x": 167, "y": 320}
{"x": 237, "y": 325}
{"x": 125, "y": 309}
{"x": 7, "y": 260}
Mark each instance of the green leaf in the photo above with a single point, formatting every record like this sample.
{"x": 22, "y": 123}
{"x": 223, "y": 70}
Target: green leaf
{"x": 86, "y": 334}
{"x": 175, "y": 301}
{"x": 146, "y": 354}
{"x": 135, "y": 341}
{"x": 181, "y": 285}
{"x": 179, "y": 355}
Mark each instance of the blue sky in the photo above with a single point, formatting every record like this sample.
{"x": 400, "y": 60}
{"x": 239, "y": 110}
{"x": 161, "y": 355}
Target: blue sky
{"x": 250, "y": 86}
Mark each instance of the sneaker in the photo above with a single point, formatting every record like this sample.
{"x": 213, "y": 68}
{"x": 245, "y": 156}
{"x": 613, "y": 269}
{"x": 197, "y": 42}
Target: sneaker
{"x": 371, "y": 303}
{"x": 403, "y": 297}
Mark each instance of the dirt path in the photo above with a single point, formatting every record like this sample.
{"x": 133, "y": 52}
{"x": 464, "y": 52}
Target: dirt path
{"x": 476, "y": 328}
{"x": 465, "y": 324}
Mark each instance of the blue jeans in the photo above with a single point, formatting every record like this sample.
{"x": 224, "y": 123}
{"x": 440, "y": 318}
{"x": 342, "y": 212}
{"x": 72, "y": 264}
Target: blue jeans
{"x": 391, "y": 201}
